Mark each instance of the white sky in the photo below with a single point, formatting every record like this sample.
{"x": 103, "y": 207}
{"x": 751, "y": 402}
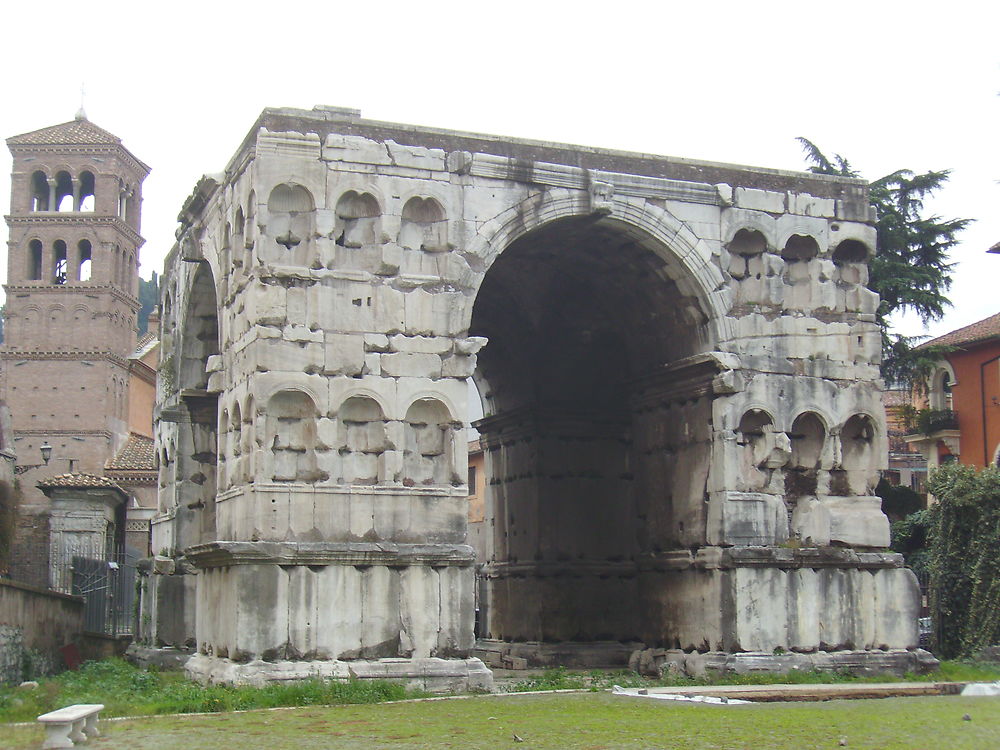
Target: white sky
{"x": 887, "y": 84}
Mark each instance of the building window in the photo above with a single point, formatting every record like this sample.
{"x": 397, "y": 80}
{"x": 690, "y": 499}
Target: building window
{"x": 472, "y": 480}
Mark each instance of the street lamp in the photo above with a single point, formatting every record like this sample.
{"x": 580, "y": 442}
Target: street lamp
{"x": 46, "y": 451}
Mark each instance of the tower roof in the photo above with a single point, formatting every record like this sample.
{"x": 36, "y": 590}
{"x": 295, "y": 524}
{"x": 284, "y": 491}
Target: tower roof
{"x": 80, "y": 132}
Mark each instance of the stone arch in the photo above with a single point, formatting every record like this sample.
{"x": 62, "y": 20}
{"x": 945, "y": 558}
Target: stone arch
{"x": 687, "y": 258}
{"x": 361, "y": 435}
{"x": 429, "y": 434}
{"x": 590, "y": 320}
{"x": 939, "y": 384}
{"x": 423, "y": 225}
{"x": 290, "y": 436}
{"x": 197, "y": 472}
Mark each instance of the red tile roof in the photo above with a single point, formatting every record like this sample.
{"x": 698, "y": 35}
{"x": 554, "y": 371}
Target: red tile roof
{"x": 138, "y": 454}
{"x": 983, "y": 330}
{"x": 77, "y": 480}
{"x": 72, "y": 133}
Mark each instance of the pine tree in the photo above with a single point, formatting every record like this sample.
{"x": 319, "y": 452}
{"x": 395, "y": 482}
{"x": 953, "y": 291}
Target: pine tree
{"x": 910, "y": 270}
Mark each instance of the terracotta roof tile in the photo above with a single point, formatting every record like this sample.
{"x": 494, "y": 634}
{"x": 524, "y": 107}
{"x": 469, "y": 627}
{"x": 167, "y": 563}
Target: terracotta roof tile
{"x": 138, "y": 454}
{"x": 982, "y": 330}
{"x": 76, "y": 480}
{"x": 73, "y": 133}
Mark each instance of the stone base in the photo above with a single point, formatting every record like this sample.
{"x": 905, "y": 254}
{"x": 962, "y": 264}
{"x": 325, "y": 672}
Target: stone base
{"x": 168, "y": 658}
{"x": 430, "y": 674}
{"x": 655, "y": 662}
{"x": 573, "y": 654}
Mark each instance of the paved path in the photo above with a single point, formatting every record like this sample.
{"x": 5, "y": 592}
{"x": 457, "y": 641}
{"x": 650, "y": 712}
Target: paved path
{"x": 817, "y": 692}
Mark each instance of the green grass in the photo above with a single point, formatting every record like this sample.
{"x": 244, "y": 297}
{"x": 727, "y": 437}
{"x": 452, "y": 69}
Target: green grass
{"x": 594, "y": 721}
{"x": 560, "y": 678}
{"x": 128, "y": 691}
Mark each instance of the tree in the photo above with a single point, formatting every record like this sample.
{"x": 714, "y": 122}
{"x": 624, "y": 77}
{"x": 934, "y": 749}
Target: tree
{"x": 910, "y": 271}
{"x": 149, "y": 297}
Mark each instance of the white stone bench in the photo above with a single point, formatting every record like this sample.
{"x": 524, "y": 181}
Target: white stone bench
{"x": 64, "y": 726}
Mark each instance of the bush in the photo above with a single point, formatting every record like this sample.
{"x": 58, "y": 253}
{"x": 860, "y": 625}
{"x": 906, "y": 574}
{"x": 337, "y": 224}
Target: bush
{"x": 965, "y": 559}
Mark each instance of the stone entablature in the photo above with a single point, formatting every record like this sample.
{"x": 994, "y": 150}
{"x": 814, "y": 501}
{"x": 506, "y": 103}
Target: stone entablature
{"x": 672, "y": 355}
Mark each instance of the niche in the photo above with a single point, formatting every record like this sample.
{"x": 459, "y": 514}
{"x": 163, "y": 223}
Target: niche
{"x": 748, "y": 242}
{"x": 858, "y": 443}
{"x": 291, "y": 219}
{"x": 808, "y": 438}
{"x": 35, "y": 260}
{"x": 358, "y": 220}
{"x": 361, "y": 428}
{"x": 429, "y": 439}
{"x": 800, "y": 247}
{"x": 424, "y": 226}
{"x": 850, "y": 251}
{"x": 755, "y": 438}
{"x": 291, "y": 432}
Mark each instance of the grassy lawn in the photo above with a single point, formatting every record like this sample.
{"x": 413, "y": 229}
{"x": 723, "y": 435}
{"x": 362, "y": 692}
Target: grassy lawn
{"x": 586, "y": 720}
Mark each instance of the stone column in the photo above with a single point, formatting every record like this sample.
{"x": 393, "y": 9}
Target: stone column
{"x": 52, "y": 194}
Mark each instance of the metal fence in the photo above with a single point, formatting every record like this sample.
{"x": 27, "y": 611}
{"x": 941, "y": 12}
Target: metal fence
{"x": 105, "y": 579}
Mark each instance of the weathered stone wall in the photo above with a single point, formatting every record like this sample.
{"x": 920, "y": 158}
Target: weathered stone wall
{"x": 36, "y": 619}
{"x": 673, "y": 370}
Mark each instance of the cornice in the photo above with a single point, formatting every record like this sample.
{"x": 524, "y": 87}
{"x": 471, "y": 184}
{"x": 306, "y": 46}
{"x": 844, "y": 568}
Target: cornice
{"x": 84, "y": 149}
{"x": 13, "y": 355}
{"x": 73, "y": 287}
{"x": 76, "y": 218}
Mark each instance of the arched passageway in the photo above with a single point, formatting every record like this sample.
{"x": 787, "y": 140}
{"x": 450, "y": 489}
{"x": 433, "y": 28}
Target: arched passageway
{"x": 597, "y": 433}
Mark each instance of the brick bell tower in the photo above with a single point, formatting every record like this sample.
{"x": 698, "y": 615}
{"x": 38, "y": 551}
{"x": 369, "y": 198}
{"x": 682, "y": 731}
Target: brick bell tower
{"x": 72, "y": 303}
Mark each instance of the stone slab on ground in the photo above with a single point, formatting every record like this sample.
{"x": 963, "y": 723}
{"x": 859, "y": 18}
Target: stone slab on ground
{"x": 839, "y": 691}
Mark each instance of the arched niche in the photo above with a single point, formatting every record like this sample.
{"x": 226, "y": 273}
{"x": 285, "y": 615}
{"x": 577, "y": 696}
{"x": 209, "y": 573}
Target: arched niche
{"x": 857, "y": 441}
{"x": 755, "y": 437}
{"x": 291, "y": 221}
{"x": 851, "y": 251}
{"x": 361, "y": 427}
{"x": 35, "y": 250}
{"x": 291, "y": 436}
{"x": 236, "y": 458}
{"x": 429, "y": 432}
{"x": 800, "y": 247}
{"x": 424, "y": 225}
{"x": 748, "y": 242}
{"x": 358, "y": 220}
{"x": 808, "y": 438}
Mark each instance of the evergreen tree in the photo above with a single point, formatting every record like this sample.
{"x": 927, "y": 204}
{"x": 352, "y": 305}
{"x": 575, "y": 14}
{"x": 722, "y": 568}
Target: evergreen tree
{"x": 149, "y": 297}
{"x": 910, "y": 271}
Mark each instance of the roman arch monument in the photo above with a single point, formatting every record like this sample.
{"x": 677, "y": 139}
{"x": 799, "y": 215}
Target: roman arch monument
{"x": 678, "y": 363}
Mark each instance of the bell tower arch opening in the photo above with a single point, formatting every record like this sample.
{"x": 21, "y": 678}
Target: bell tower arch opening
{"x": 597, "y": 444}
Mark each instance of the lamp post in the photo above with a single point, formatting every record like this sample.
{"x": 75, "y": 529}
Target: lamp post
{"x": 46, "y": 451}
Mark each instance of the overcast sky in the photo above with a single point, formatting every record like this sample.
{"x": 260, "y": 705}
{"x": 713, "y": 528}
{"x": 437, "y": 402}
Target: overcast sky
{"x": 888, "y": 85}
